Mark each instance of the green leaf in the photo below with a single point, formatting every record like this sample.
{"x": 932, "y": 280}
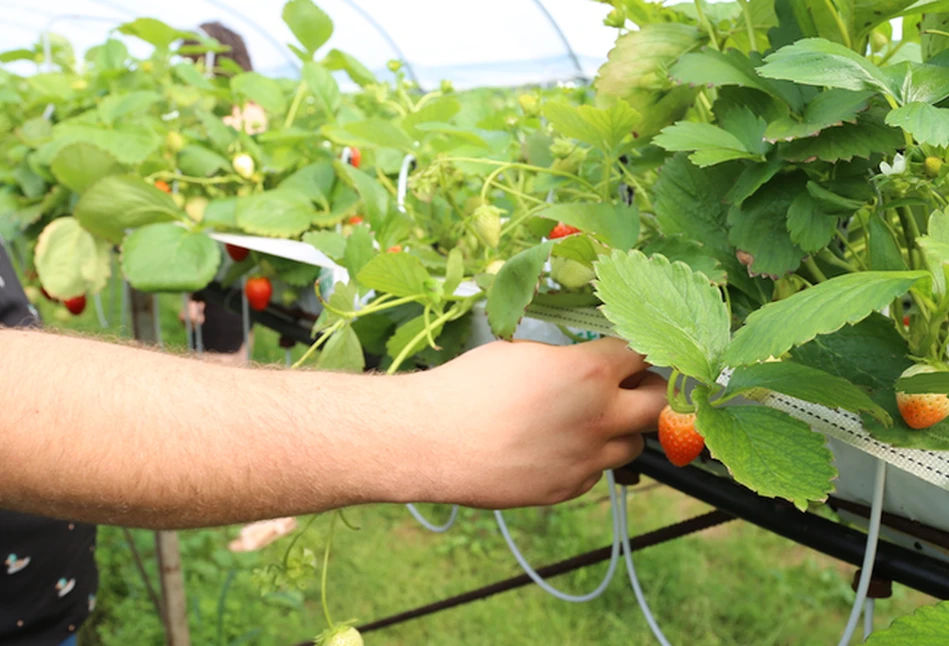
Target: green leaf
{"x": 221, "y": 135}
{"x": 803, "y": 382}
{"x": 753, "y": 178}
{"x": 824, "y": 308}
{"x": 167, "y": 257}
{"x": 603, "y": 129}
{"x": 263, "y": 91}
{"x": 712, "y": 145}
{"x": 768, "y": 451}
{"x": 80, "y": 165}
{"x": 667, "y": 312}
{"x": 514, "y": 287}
{"x": 323, "y": 86}
{"x": 340, "y": 61}
{"x": 922, "y": 384}
{"x": 439, "y": 111}
{"x": 189, "y": 74}
{"x": 927, "y": 124}
{"x": 198, "y": 161}
{"x": 454, "y": 271}
{"x": 359, "y": 250}
{"x": 637, "y": 72}
{"x": 221, "y": 213}
{"x": 691, "y": 201}
{"x": 406, "y": 333}
{"x": 616, "y": 225}
{"x": 691, "y": 252}
{"x": 129, "y": 143}
{"x": 116, "y": 106}
{"x": 375, "y": 199}
{"x": 69, "y": 261}
{"x": 828, "y": 109}
{"x": 916, "y": 82}
{"x": 313, "y": 180}
{"x": 280, "y": 213}
{"x": 119, "y": 202}
{"x": 329, "y": 242}
{"x": 811, "y": 229}
{"x": 379, "y": 132}
{"x": 309, "y": 24}
{"x": 816, "y": 61}
{"x": 713, "y": 68}
{"x": 868, "y": 137}
{"x": 885, "y": 254}
{"x": 343, "y": 352}
{"x": 759, "y": 229}
{"x": 153, "y": 31}
{"x": 927, "y": 626}
{"x": 399, "y": 274}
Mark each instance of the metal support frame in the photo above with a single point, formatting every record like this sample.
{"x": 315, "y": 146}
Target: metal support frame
{"x": 893, "y": 562}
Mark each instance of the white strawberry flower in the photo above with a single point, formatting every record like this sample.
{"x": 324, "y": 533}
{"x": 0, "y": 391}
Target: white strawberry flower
{"x": 898, "y": 167}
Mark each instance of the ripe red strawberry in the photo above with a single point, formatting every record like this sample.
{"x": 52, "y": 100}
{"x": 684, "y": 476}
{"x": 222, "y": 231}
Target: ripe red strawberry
{"x": 75, "y": 305}
{"x": 394, "y": 249}
{"x": 354, "y": 220}
{"x": 562, "y": 230}
{"x": 236, "y": 253}
{"x": 162, "y": 186}
{"x": 355, "y": 157}
{"x": 258, "y": 291}
{"x": 922, "y": 410}
{"x": 678, "y": 437}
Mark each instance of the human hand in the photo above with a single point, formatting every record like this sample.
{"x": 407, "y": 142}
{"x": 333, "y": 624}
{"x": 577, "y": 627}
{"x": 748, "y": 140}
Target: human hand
{"x": 530, "y": 424}
{"x": 194, "y": 313}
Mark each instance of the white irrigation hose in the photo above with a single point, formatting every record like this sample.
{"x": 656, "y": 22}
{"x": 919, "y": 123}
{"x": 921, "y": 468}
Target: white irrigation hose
{"x": 403, "y": 187}
{"x": 869, "y": 556}
{"x": 622, "y": 512}
{"x": 424, "y": 522}
{"x": 868, "y": 619}
{"x": 536, "y": 578}
{"x": 100, "y": 312}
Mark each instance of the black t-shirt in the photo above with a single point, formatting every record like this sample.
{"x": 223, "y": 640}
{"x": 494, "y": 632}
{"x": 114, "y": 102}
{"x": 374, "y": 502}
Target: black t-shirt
{"x": 48, "y": 574}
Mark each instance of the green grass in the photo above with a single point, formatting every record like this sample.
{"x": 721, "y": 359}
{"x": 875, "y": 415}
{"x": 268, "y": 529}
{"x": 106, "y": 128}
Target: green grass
{"x": 732, "y": 585}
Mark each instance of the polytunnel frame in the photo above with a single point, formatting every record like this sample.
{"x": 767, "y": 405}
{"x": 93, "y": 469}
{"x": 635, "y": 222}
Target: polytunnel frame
{"x": 294, "y": 63}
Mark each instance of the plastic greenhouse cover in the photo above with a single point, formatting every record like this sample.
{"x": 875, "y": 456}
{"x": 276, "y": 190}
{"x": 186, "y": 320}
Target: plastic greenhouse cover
{"x": 488, "y": 43}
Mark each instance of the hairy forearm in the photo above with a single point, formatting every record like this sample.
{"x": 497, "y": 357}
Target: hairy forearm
{"x": 113, "y": 434}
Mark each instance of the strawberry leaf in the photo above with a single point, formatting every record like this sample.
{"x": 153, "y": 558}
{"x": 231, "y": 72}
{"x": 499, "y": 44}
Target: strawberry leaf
{"x": 759, "y": 228}
{"x": 280, "y": 213}
{"x": 80, "y": 165}
{"x": 711, "y": 144}
{"x": 816, "y": 61}
{"x": 263, "y": 91}
{"x": 323, "y": 86}
{"x": 803, "y": 382}
{"x": 309, "y": 24}
{"x": 514, "y": 288}
{"x": 934, "y": 382}
{"x": 868, "y": 137}
{"x": 666, "y": 311}
{"x": 928, "y": 626}
{"x": 69, "y": 261}
{"x": 603, "y": 129}
{"x": 119, "y": 202}
{"x": 779, "y": 326}
{"x": 616, "y": 225}
{"x": 399, "y": 274}
{"x": 768, "y": 451}
{"x": 828, "y": 109}
{"x": 166, "y": 257}
{"x": 928, "y": 124}
{"x": 342, "y": 352}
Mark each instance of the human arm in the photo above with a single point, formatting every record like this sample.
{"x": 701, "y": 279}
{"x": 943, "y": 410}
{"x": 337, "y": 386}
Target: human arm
{"x": 115, "y": 434}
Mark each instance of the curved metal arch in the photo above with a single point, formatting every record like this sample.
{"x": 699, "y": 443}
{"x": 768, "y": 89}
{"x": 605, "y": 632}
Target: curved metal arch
{"x": 563, "y": 38}
{"x": 387, "y": 37}
{"x": 294, "y": 63}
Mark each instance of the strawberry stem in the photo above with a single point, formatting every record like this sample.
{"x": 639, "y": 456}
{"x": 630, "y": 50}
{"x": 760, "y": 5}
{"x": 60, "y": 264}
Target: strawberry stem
{"x": 326, "y": 562}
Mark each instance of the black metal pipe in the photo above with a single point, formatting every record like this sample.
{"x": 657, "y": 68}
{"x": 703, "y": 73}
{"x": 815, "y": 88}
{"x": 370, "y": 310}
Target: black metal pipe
{"x": 920, "y": 572}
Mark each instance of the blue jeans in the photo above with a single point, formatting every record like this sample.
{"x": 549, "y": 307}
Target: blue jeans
{"x": 69, "y": 642}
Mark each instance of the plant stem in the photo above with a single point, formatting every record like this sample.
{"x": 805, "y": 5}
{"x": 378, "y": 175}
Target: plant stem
{"x": 703, "y": 20}
{"x": 538, "y": 169}
{"x": 749, "y": 27}
{"x": 910, "y": 233}
{"x": 320, "y": 341}
{"x": 226, "y": 179}
{"x": 828, "y": 257}
{"x": 815, "y": 270}
{"x": 326, "y": 562}
{"x": 841, "y": 27}
{"x": 295, "y": 106}
{"x": 452, "y": 313}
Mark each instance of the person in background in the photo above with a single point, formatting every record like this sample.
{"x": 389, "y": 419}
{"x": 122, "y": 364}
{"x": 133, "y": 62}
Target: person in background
{"x": 48, "y": 576}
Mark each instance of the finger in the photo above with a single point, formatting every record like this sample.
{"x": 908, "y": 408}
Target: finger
{"x": 617, "y": 354}
{"x": 622, "y": 450}
{"x": 637, "y": 410}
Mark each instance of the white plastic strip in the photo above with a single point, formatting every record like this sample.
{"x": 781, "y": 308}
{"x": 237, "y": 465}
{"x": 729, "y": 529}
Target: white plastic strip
{"x": 430, "y": 526}
{"x": 536, "y": 578}
{"x": 403, "y": 187}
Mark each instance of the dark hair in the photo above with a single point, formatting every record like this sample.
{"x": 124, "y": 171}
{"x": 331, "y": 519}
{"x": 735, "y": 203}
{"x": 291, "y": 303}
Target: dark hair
{"x": 238, "y": 49}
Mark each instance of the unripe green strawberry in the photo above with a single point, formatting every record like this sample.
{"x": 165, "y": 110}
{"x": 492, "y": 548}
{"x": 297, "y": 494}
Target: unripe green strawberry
{"x": 174, "y": 141}
{"x": 932, "y": 165}
{"x": 487, "y": 222}
{"x": 341, "y": 636}
{"x": 678, "y": 436}
{"x": 195, "y": 207}
{"x": 244, "y": 165}
{"x": 570, "y": 273}
{"x": 878, "y": 41}
{"x": 921, "y": 411}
